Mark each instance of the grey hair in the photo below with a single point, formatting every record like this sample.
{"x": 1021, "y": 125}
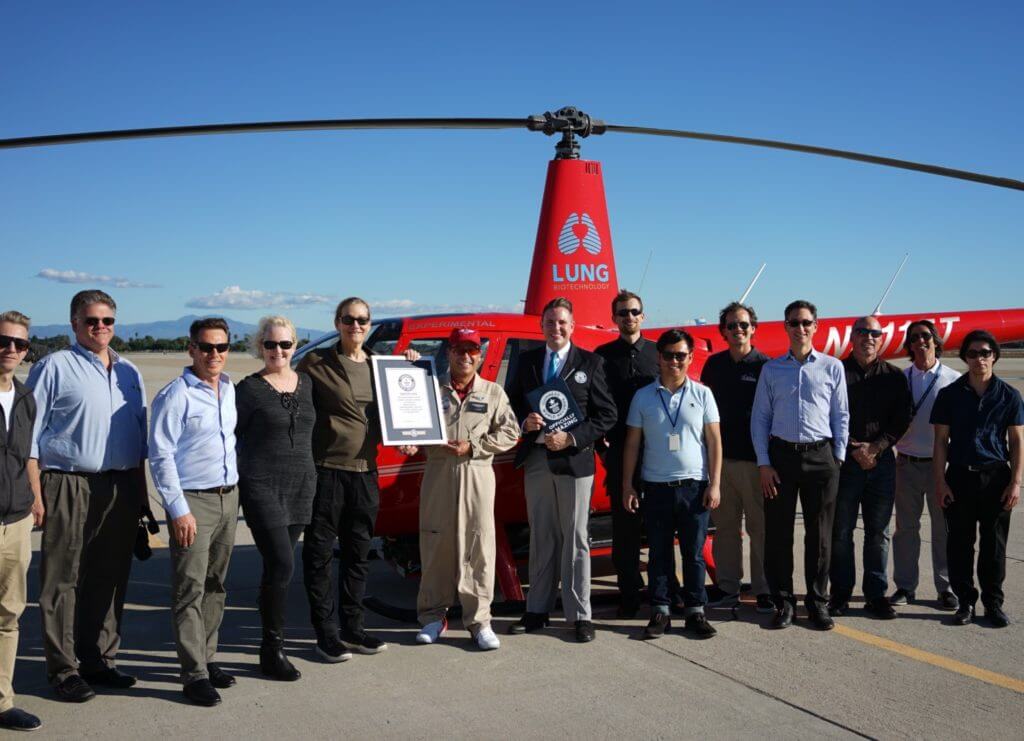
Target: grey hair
{"x": 16, "y": 317}
{"x": 264, "y": 326}
{"x": 89, "y": 297}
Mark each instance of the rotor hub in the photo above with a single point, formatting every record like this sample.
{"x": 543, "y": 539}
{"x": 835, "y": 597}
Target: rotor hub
{"x": 571, "y": 123}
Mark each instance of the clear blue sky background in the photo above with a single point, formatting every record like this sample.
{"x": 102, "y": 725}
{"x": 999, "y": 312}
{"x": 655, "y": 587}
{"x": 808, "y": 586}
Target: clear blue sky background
{"x": 440, "y": 219}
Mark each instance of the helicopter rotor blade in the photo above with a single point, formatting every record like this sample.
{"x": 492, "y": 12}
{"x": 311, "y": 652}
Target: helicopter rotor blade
{"x": 825, "y": 152}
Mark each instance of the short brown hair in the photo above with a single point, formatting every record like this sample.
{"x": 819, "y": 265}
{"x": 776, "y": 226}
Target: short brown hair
{"x": 16, "y": 317}
{"x": 339, "y": 312}
{"x": 930, "y": 326}
{"x": 736, "y": 306}
{"x": 557, "y": 303}
{"x": 801, "y": 304}
{"x": 92, "y": 296}
{"x": 210, "y": 322}
{"x": 625, "y": 295}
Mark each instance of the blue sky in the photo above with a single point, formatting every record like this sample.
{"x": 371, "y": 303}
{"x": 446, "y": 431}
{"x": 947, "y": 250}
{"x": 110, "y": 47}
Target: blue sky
{"x": 420, "y": 221}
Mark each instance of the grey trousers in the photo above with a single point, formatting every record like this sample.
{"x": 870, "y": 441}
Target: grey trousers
{"x": 91, "y": 521}
{"x": 197, "y": 580}
{"x": 741, "y": 498}
{"x": 915, "y": 485}
{"x": 558, "y": 507}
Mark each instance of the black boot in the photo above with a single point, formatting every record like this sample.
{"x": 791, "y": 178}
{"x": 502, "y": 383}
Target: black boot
{"x": 273, "y": 662}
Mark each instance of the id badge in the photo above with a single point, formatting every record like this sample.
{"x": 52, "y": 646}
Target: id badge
{"x": 674, "y": 442}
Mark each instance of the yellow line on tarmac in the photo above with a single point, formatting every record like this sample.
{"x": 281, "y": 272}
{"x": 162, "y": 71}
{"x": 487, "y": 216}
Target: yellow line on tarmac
{"x": 155, "y": 542}
{"x": 943, "y": 662}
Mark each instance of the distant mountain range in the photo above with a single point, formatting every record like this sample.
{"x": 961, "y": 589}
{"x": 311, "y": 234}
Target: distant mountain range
{"x": 167, "y": 329}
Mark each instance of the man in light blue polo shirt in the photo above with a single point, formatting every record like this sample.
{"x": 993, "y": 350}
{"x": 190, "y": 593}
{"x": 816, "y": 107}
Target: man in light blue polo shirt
{"x": 192, "y": 460}
{"x": 676, "y": 419}
{"x": 88, "y": 451}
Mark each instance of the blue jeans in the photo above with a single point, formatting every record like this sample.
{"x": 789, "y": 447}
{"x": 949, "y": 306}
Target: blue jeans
{"x": 874, "y": 494}
{"x": 669, "y": 511}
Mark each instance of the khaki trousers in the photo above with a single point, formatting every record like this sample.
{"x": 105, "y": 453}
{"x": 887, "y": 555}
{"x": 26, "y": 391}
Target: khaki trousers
{"x": 197, "y": 580}
{"x": 457, "y": 546}
{"x": 741, "y": 497}
{"x": 91, "y": 521}
{"x": 558, "y": 507}
{"x": 915, "y": 486}
{"x": 15, "y": 555}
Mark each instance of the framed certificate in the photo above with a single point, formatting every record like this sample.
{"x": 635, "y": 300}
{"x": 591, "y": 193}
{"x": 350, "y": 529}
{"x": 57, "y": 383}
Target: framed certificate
{"x": 409, "y": 401}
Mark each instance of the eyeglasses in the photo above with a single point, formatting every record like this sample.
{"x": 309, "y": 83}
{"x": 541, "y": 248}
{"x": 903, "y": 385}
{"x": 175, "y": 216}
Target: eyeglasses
{"x": 94, "y": 321}
{"x": 868, "y": 332}
{"x": 208, "y": 347}
{"x": 805, "y": 323}
{"x": 974, "y": 354}
{"x": 466, "y": 350}
{"x": 348, "y": 321}
{"x": 272, "y": 345}
{"x": 733, "y": 325}
{"x": 920, "y": 337}
{"x": 20, "y": 344}
{"x": 678, "y": 357}
{"x": 629, "y": 312}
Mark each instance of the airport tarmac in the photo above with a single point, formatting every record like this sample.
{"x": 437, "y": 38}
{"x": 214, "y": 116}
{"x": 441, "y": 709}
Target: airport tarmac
{"x": 916, "y": 676}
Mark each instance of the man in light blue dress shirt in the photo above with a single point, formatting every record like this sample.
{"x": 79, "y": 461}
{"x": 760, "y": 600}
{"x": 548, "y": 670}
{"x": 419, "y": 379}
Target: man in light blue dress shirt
{"x": 800, "y": 428}
{"x": 88, "y": 451}
{"x": 192, "y": 461}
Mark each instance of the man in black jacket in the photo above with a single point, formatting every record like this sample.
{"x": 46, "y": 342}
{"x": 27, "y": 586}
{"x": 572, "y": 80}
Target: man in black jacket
{"x": 560, "y": 472}
{"x": 20, "y": 508}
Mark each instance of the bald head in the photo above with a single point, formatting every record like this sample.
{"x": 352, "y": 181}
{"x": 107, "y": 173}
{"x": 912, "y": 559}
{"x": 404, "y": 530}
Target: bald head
{"x": 867, "y": 338}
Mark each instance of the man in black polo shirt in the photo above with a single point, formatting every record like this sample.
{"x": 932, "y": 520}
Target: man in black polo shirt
{"x": 974, "y": 418}
{"x": 630, "y": 362}
{"x": 732, "y": 376}
{"x": 879, "y": 415}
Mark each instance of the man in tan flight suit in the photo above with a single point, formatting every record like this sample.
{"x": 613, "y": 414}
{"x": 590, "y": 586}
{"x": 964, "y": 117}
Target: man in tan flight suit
{"x": 457, "y": 546}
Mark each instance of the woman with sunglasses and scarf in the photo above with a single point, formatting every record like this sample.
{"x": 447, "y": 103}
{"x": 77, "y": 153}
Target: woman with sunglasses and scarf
{"x": 277, "y": 476}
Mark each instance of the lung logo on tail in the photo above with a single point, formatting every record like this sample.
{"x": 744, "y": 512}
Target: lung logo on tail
{"x": 579, "y": 230}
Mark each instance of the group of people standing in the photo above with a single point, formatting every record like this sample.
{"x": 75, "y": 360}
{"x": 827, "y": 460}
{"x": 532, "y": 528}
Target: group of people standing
{"x": 296, "y": 450}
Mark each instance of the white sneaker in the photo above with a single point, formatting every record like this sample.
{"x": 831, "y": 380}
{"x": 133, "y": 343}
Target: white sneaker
{"x": 486, "y": 640}
{"x": 431, "y": 632}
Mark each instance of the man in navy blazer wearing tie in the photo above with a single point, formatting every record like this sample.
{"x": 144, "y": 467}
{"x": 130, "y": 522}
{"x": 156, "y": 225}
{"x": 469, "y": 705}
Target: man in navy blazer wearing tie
{"x": 560, "y": 472}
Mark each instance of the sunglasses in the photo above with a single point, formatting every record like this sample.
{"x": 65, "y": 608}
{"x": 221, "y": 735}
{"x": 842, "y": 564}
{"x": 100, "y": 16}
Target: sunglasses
{"x": 678, "y": 357}
{"x": 805, "y": 323}
{"x": 868, "y": 332}
{"x": 466, "y": 350}
{"x": 920, "y": 337}
{"x": 283, "y": 344}
{"x": 95, "y": 321}
{"x": 348, "y": 321}
{"x": 733, "y": 325}
{"x": 208, "y": 347}
{"x": 21, "y": 345}
{"x": 974, "y": 354}
{"x": 629, "y": 312}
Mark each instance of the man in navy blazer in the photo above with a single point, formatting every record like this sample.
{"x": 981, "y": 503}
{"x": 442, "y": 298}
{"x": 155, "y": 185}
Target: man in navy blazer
{"x": 560, "y": 472}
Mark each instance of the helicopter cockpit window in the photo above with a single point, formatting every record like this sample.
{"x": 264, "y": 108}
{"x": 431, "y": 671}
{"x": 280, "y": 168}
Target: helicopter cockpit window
{"x": 384, "y": 337}
{"x": 510, "y": 359}
{"x": 438, "y": 350}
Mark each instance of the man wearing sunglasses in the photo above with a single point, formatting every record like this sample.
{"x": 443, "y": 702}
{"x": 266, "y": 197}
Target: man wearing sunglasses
{"x": 88, "y": 454}
{"x": 915, "y": 485}
{"x": 879, "y": 400}
{"x": 732, "y": 376}
{"x": 193, "y": 464}
{"x": 979, "y": 432}
{"x": 799, "y": 426}
{"x": 20, "y": 508}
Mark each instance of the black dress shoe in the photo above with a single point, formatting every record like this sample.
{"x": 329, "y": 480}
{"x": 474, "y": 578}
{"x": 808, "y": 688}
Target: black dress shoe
{"x": 18, "y": 720}
{"x": 74, "y": 689}
{"x": 948, "y": 601}
{"x": 820, "y": 619}
{"x": 530, "y": 622}
{"x": 964, "y": 615}
{"x": 110, "y": 677}
{"x": 783, "y": 617}
{"x": 902, "y": 597}
{"x": 201, "y": 692}
{"x": 698, "y": 626}
{"x": 997, "y": 617}
{"x": 584, "y": 631}
{"x": 220, "y": 678}
{"x": 880, "y": 609}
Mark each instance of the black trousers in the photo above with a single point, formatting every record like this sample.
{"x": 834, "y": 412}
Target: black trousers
{"x": 977, "y": 509}
{"x": 344, "y": 510}
{"x": 277, "y": 547}
{"x": 627, "y": 529}
{"x": 813, "y": 477}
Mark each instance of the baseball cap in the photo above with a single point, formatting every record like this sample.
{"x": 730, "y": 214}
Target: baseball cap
{"x": 463, "y": 335}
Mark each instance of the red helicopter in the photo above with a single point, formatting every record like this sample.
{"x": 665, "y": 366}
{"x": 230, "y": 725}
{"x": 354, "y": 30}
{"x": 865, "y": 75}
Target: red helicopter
{"x": 573, "y": 257}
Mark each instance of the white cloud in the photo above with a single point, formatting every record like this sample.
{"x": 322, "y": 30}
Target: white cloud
{"x": 77, "y": 276}
{"x": 236, "y": 297}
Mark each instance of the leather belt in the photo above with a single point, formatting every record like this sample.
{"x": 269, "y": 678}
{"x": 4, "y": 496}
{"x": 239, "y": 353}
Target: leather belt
{"x": 215, "y": 490}
{"x": 914, "y": 458}
{"x": 801, "y": 447}
{"x": 672, "y": 484}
